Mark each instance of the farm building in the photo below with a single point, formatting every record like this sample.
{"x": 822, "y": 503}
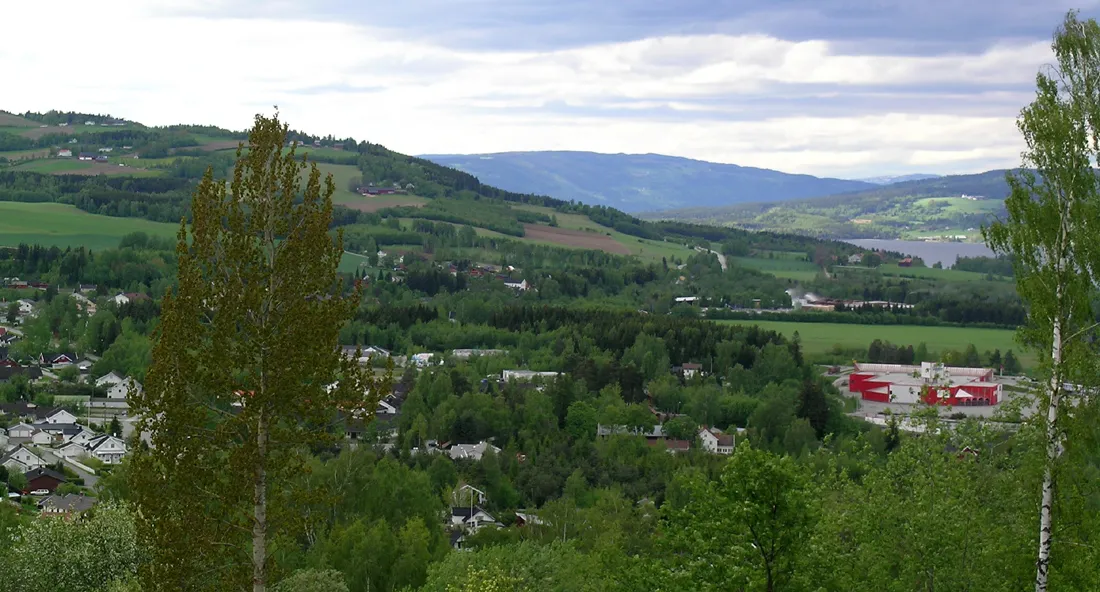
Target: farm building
{"x": 931, "y": 383}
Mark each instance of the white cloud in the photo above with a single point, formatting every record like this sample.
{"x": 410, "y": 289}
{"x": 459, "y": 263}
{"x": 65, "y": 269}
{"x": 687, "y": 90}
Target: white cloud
{"x": 158, "y": 68}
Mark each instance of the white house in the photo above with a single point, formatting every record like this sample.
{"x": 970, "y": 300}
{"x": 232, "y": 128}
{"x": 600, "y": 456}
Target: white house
{"x": 471, "y": 451}
{"x": 22, "y": 459}
{"x": 366, "y": 352}
{"x": 26, "y": 307}
{"x": 385, "y": 408}
{"x": 121, "y": 299}
{"x": 60, "y": 416}
{"x": 715, "y": 441}
{"x": 72, "y": 451}
{"x": 521, "y": 286}
{"x": 107, "y": 449}
{"x": 857, "y": 258}
{"x": 525, "y": 375}
{"x": 423, "y": 359}
{"x": 470, "y": 519}
{"x": 83, "y": 438}
{"x": 65, "y": 153}
{"x": 43, "y": 438}
{"x": 107, "y": 380}
{"x": 122, "y": 389}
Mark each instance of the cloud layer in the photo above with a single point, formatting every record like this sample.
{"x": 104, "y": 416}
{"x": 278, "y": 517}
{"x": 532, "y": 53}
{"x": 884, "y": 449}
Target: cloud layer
{"x": 831, "y": 87}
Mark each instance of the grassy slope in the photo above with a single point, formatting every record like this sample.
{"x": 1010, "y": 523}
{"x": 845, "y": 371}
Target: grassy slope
{"x": 821, "y": 337}
{"x": 64, "y": 226}
{"x": 647, "y": 250}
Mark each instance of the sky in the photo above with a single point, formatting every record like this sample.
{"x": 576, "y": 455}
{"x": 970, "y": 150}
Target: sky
{"x": 842, "y": 88}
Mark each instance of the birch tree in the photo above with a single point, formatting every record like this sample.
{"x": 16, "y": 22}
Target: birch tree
{"x": 1052, "y": 236}
{"x": 244, "y": 363}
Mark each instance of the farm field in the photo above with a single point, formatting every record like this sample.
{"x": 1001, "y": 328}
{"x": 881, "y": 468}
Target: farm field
{"x": 55, "y": 166}
{"x": 21, "y": 154}
{"x": 581, "y": 239}
{"x": 645, "y": 249}
{"x": 821, "y": 337}
{"x": 781, "y": 268}
{"x": 63, "y": 225}
{"x": 12, "y": 120}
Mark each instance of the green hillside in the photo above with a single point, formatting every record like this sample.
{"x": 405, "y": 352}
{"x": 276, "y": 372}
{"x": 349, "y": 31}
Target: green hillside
{"x": 953, "y": 205}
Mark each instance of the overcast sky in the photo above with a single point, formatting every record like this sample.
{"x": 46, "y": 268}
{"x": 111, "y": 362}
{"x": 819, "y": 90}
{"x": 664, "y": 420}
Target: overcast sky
{"x": 846, "y": 88}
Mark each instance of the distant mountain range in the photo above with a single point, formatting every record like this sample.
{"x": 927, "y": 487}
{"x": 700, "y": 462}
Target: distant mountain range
{"x": 891, "y": 179}
{"x": 641, "y": 182}
{"x": 954, "y": 205}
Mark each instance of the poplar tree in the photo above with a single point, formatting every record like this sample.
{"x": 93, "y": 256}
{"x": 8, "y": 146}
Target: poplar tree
{"x": 244, "y": 363}
{"x": 1051, "y": 235}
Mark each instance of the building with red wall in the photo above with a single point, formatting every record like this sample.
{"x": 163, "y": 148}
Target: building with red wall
{"x": 929, "y": 383}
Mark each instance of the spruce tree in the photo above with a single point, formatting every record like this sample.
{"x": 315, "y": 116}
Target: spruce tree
{"x": 244, "y": 363}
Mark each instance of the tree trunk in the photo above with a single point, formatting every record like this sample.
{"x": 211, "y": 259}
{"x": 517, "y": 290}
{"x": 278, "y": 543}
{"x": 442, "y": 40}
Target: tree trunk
{"x": 1045, "y": 519}
{"x": 259, "y": 512}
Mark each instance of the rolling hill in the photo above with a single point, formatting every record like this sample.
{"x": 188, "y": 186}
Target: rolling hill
{"x": 640, "y": 182}
{"x": 954, "y": 205}
{"x": 891, "y": 179}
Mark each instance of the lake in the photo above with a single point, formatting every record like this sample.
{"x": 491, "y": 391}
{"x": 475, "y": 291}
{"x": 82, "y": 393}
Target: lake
{"x": 944, "y": 253}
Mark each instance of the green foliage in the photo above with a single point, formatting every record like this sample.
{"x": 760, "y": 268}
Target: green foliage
{"x": 312, "y": 580}
{"x": 73, "y": 556}
{"x": 254, "y": 323}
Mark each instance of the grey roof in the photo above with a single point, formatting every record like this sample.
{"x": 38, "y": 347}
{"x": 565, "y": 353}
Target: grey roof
{"x": 70, "y": 502}
{"x": 69, "y": 429}
{"x": 44, "y": 472}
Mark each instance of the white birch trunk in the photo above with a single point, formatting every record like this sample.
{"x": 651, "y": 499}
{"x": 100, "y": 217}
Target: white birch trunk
{"x": 1042, "y": 564}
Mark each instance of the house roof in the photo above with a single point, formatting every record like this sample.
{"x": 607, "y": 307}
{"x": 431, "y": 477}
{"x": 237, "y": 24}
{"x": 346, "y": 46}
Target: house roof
{"x": 69, "y": 503}
{"x": 32, "y": 372}
{"x": 44, "y": 472}
{"x": 69, "y": 429}
{"x": 11, "y": 453}
{"x": 24, "y": 409}
{"x": 52, "y": 358}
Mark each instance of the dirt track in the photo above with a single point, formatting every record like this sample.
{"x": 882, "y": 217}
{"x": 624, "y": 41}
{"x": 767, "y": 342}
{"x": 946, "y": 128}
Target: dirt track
{"x": 575, "y": 238}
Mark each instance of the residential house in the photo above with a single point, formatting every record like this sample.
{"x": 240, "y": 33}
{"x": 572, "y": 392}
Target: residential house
{"x": 86, "y": 156}
{"x": 9, "y": 370}
{"x": 855, "y": 259}
{"x": 57, "y": 360}
{"x": 522, "y": 286}
{"x": 108, "y": 380}
{"x": 123, "y": 298}
{"x": 59, "y": 416}
{"x": 84, "y": 303}
{"x": 526, "y": 375}
{"x": 423, "y": 359}
{"x": 83, "y": 437}
{"x": 471, "y": 518}
{"x": 655, "y": 433}
{"x": 43, "y": 478}
{"x": 42, "y": 438}
{"x": 670, "y": 446}
{"x": 65, "y": 153}
{"x": 107, "y": 449}
{"x": 365, "y": 353}
{"x": 465, "y": 354}
{"x": 471, "y": 451}
{"x": 85, "y": 365}
{"x": 906, "y": 262}
{"x": 86, "y": 288}
{"x": 525, "y": 518}
{"x": 59, "y": 432}
{"x": 66, "y": 506}
{"x": 121, "y": 389}
{"x": 26, "y": 307}
{"x": 100, "y": 158}
{"x": 690, "y": 370}
{"x": 714, "y": 441}
{"x": 21, "y": 459}
{"x": 72, "y": 450}
{"x": 106, "y": 149}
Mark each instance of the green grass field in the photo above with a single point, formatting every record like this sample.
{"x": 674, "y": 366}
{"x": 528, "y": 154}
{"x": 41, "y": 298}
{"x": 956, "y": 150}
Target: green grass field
{"x": 821, "y": 337}
{"x": 341, "y": 174}
{"x": 52, "y": 165}
{"x": 63, "y": 225}
{"x": 782, "y": 268}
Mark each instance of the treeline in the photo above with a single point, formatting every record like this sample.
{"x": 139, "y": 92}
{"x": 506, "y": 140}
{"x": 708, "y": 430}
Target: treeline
{"x": 1001, "y": 266}
{"x": 880, "y": 351}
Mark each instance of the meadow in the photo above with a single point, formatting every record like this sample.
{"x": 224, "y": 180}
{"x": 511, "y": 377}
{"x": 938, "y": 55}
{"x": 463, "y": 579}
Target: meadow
{"x": 62, "y": 225}
{"x": 645, "y": 249}
{"x": 786, "y": 268}
{"x": 820, "y": 338}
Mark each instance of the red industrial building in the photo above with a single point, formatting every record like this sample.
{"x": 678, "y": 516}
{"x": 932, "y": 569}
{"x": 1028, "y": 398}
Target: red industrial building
{"x": 929, "y": 382}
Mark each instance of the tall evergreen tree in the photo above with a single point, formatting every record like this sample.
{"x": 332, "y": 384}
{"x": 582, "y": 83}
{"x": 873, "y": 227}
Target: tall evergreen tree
{"x": 1050, "y": 235}
{"x": 241, "y": 382}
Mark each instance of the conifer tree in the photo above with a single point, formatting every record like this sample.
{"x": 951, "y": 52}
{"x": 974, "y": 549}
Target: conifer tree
{"x": 241, "y": 384}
